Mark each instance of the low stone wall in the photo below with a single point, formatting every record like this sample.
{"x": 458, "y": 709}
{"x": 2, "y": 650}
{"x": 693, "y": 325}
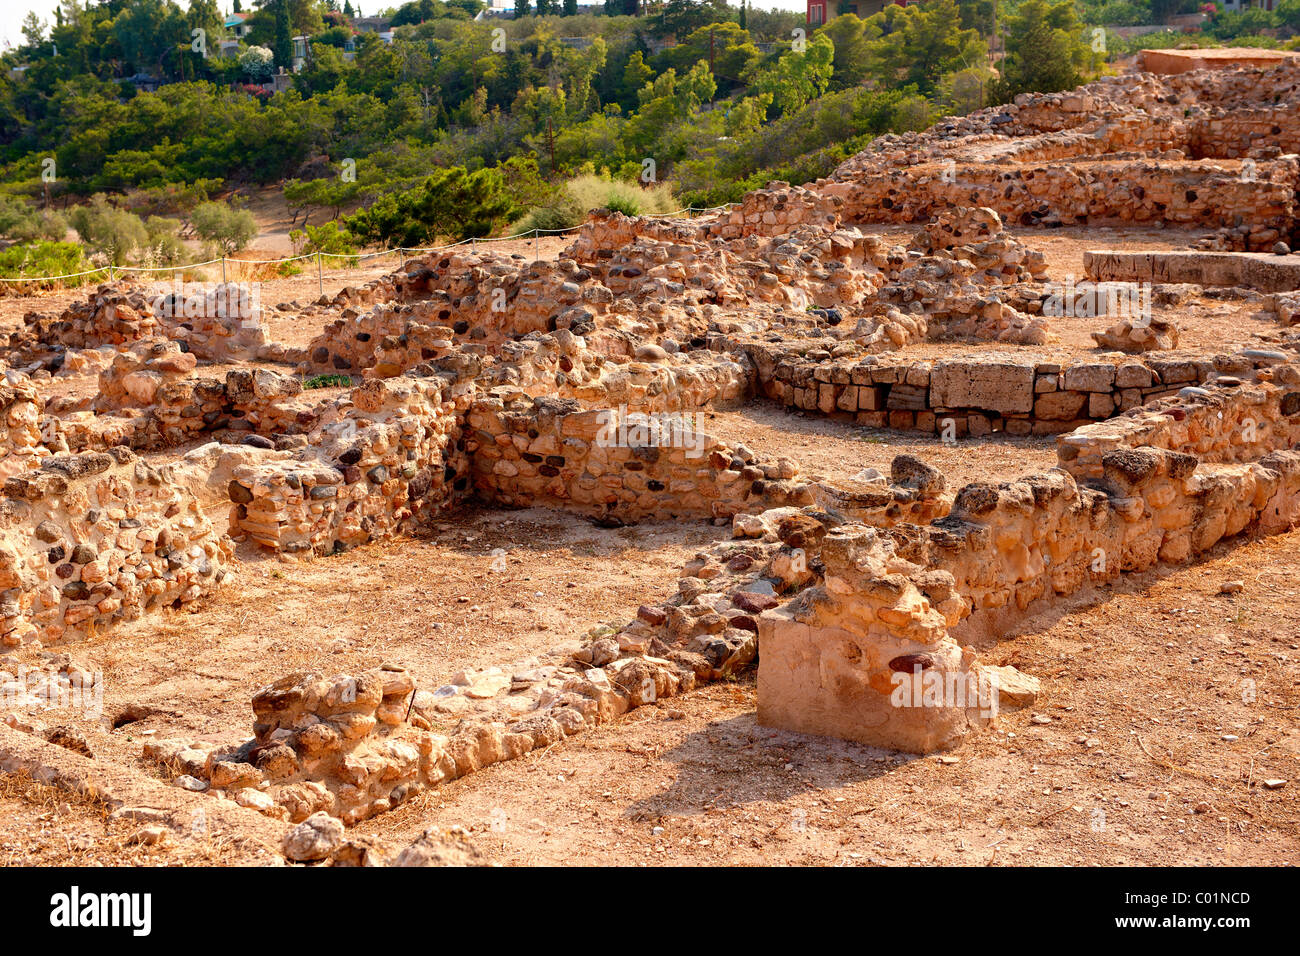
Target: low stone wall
{"x": 1245, "y": 132}
{"x": 115, "y": 314}
{"x": 1226, "y": 421}
{"x": 91, "y": 539}
{"x": 976, "y": 396}
{"x": 774, "y": 211}
{"x": 385, "y": 455}
{"x": 623, "y": 469}
{"x": 561, "y": 365}
{"x": 1260, "y": 271}
{"x": 355, "y": 747}
{"x": 149, "y": 398}
{"x": 1189, "y": 193}
{"x": 221, "y": 322}
{"x": 481, "y": 298}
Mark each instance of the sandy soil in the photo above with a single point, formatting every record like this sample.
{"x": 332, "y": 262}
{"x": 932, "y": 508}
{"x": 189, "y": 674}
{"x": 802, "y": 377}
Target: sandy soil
{"x": 1146, "y": 754}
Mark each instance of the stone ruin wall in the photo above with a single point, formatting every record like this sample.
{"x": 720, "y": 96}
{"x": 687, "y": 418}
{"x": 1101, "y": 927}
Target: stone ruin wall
{"x": 1078, "y": 157}
{"x": 88, "y": 540}
{"x": 218, "y": 324}
{"x": 597, "y": 462}
{"x": 386, "y": 456}
{"x": 890, "y": 605}
{"x": 973, "y": 397}
{"x": 1228, "y": 421}
{"x": 21, "y": 447}
{"x": 562, "y": 366}
{"x": 149, "y": 399}
{"x": 1135, "y": 191}
{"x": 484, "y": 298}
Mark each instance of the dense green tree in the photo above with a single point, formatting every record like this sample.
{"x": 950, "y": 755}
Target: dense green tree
{"x": 114, "y": 233}
{"x": 1045, "y": 50}
{"x": 150, "y": 32}
{"x": 680, "y": 18}
{"x": 852, "y": 61}
{"x": 726, "y": 46}
{"x": 224, "y": 229}
{"x": 305, "y": 17}
{"x": 33, "y": 29}
{"x": 450, "y": 204}
{"x": 282, "y": 45}
{"x": 797, "y": 77}
{"x": 920, "y": 44}
{"x": 415, "y": 12}
{"x": 1288, "y": 14}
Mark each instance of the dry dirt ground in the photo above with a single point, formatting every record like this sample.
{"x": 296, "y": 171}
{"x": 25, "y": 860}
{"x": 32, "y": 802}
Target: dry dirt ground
{"x": 1165, "y": 704}
{"x": 1165, "y": 707}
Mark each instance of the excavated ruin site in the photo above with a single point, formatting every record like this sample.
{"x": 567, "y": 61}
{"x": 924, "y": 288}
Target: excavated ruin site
{"x": 940, "y": 510}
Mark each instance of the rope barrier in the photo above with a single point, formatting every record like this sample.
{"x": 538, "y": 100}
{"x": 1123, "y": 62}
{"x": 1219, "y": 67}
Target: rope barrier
{"x": 534, "y": 233}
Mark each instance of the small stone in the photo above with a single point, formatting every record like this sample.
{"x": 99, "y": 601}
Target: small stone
{"x": 314, "y": 839}
{"x": 148, "y": 836}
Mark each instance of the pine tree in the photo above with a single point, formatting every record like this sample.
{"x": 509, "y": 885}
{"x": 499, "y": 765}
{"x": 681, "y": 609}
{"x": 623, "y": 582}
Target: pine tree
{"x": 521, "y": 9}
{"x": 570, "y": 8}
{"x": 236, "y": 8}
{"x": 744, "y": 15}
{"x": 347, "y": 9}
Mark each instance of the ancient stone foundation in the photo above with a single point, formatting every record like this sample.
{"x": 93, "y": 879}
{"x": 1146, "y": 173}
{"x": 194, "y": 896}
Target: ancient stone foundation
{"x": 88, "y": 540}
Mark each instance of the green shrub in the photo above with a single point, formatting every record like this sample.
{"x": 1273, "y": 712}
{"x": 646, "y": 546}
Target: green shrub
{"x": 165, "y": 247}
{"x": 329, "y": 238}
{"x": 561, "y": 213}
{"x": 328, "y": 381}
{"x": 453, "y": 203}
{"x": 582, "y": 194}
{"x": 45, "y": 258}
